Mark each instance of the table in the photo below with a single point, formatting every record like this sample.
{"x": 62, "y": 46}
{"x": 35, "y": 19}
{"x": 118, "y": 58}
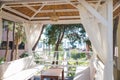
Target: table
{"x": 53, "y": 73}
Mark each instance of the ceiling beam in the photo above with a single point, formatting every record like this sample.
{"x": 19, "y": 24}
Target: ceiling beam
{"x": 58, "y": 22}
{"x": 31, "y": 8}
{"x": 61, "y": 17}
{"x": 97, "y": 5}
{"x": 12, "y": 17}
{"x": 116, "y": 5}
{"x": 28, "y": 1}
{"x": 62, "y": 10}
{"x": 1, "y": 5}
{"x": 37, "y": 11}
{"x": 10, "y": 9}
{"x": 94, "y": 12}
{"x": 47, "y": 3}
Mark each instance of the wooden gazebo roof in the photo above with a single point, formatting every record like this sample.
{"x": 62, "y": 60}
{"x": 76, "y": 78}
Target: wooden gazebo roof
{"x": 42, "y": 10}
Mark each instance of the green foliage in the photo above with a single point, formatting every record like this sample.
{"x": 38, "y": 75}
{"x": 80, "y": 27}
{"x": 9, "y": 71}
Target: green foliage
{"x": 20, "y": 32}
{"x": 52, "y": 32}
{"x": 59, "y": 49}
{"x": 25, "y": 54}
{"x": 39, "y": 59}
{"x": 75, "y": 54}
{"x": 74, "y": 32}
{"x": 82, "y": 55}
{"x": 78, "y": 55}
{"x": 2, "y": 59}
{"x": 8, "y": 24}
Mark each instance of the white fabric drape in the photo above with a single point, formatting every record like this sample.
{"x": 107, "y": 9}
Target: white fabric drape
{"x": 100, "y": 38}
{"x": 0, "y": 26}
{"x": 32, "y": 31}
{"x": 93, "y": 31}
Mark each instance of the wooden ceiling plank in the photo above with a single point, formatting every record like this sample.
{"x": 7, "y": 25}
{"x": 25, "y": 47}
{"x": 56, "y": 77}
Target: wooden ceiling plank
{"x": 36, "y": 7}
{"x": 48, "y": 3}
{"x": 1, "y": 5}
{"x": 72, "y": 4}
{"x": 24, "y": 10}
{"x": 58, "y": 22}
{"x": 15, "y": 11}
{"x": 59, "y": 17}
{"x": 28, "y": 1}
{"x": 75, "y": 13}
{"x": 94, "y": 12}
{"x": 97, "y": 5}
{"x": 62, "y": 10}
{"x": 116, "y": 5}
{"x": 58, "y": 7}
{"x": 37, "y": 11}
{"x": 116, "y": 12}
{"x": 22, "y": 6}
{"x": 31, "y": 8}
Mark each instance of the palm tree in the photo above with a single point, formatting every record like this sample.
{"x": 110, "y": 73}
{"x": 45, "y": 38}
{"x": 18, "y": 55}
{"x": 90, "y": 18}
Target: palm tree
{"x": 8, "y": 25}
{"x": 13, "y": 47}
{"x": 19, "y": 37}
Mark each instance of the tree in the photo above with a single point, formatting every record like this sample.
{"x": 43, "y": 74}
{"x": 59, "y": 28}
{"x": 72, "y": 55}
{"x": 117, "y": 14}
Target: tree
{"x": 38, "y": 39}
{"x": 19, "y": 37}
{"x": 13, "y": 46}
{"x": 8, "y": 25}
{"x": 80, "y": 36}
{"x": 55, "y": 33}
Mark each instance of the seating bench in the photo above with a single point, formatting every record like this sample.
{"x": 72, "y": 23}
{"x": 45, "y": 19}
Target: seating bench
{"x": 21, "y": 69}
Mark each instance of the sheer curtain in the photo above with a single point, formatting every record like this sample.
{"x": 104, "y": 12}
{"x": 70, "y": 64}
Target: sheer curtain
{"x": 100, "y": 38}
{"x": 93, "y": 31}
{"x": 0, "y": 27}
{"x": 32, "y": 31}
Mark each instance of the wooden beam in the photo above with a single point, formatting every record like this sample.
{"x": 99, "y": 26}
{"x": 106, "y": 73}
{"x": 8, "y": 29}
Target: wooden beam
{"x": 1, "y": 5}
{"x": 108, "y": 71}
{"x": 31, "y": 8}
{"x": 116, "y": 5}
{"x": 28, "y": 1}
{"x": 97, "y": 5}
{"x": 62, "y": 10}
{"x": 12, "y": 17}
{"x": 94, "y": 12}
{"x": 37, "y": 11}
{"x": 47, "y": 3}
{"x": 58, "y": 22}
{"x": 61, "y": 17}
{"x": 10, "y": 9}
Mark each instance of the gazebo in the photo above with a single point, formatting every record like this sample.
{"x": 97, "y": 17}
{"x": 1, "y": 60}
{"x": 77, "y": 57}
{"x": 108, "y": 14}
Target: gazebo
{"x": 95, "y": 15}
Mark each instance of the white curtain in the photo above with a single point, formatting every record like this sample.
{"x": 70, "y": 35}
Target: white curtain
{"x": 32, "y": 31}
{"x": 99, "y": 37}
{"x": 0, "y": 26}
{"x": 93, "y": 31}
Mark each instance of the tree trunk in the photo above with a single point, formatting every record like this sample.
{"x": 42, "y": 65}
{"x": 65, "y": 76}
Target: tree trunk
{"x": 60, "y": 37}
{"x": 13, "y": 46}
{"x": 38, "y": 39}
{"x": 7, "y": 45}
{"x": 88, "y": 49}
{"x": 16, "y": 51}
